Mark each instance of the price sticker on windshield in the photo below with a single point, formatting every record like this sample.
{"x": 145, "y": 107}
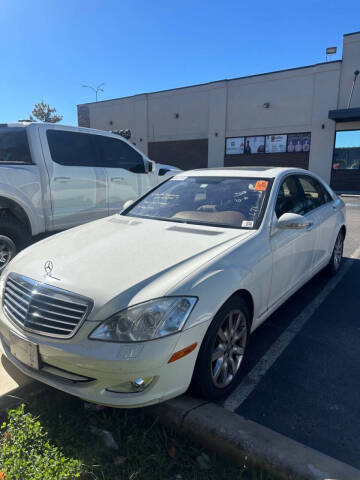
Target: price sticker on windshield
{"x": 261, "y": 185}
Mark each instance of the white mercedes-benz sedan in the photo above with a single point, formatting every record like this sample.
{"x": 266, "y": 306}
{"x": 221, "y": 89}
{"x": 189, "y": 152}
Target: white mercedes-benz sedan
{"x": 129, "y": 310}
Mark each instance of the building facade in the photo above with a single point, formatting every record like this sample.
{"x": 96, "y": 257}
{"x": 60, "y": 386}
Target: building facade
{"x": 306, "y": 117}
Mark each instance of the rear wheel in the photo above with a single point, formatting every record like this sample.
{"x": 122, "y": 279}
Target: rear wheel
{"x": 336, "y": 257}
{"x": 222, "y": 351}
{"x": 13, "y": 237}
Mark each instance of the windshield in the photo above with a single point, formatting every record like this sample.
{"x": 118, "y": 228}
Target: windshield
{"x": 235, "y": 202}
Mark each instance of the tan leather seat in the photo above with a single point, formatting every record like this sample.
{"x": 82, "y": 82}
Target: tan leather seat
{"x": 225, "y": 218}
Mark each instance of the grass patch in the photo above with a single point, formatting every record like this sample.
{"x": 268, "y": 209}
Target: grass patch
{"x": 25, "y": 451}
{"x": 57, "y": 438}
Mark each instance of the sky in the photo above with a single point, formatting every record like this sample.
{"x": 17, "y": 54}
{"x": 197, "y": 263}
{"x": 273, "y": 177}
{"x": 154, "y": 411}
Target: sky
{"x": 50, "y": 48}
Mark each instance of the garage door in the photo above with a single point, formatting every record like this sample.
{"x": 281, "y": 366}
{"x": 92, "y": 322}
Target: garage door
{"x": 184, "y": 154}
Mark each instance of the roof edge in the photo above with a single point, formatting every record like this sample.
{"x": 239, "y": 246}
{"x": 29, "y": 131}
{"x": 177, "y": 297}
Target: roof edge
{"x": 352, "y": 33}
{"x": 213, "y": 82}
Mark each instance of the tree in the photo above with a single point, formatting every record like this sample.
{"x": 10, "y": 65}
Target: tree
{"x": 44, "y": 113}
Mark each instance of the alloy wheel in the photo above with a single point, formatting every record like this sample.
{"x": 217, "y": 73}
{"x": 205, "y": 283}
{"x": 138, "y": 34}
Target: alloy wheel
{"x": 338, "y": 251}
{"x": 7, "y": 251}
{"x": 229, "y": 348}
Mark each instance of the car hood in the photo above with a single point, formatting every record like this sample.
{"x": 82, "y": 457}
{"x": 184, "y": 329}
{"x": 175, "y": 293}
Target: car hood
{"x": 132, "y": 259}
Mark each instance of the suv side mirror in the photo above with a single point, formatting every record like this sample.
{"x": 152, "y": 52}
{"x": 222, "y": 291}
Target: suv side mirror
{"x": 293, "y": 221}
{"x": 149, "y": 166}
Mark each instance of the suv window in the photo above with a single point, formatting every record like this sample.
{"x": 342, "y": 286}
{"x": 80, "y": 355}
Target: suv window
{"x": 14, "y": 146}
{"x": 290, "y": 198}
{"x": 72, "y": 148}
{"x": 115, "y": 153}
{"x": 313, "y": 191}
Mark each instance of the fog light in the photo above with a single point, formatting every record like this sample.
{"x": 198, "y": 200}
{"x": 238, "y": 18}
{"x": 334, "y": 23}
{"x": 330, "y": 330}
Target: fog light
{"x": 139, "y": 384}
{"x": 132, "y": 386}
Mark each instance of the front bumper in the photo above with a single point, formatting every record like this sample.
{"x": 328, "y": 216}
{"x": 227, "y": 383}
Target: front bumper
{"x": 89, "y": 369}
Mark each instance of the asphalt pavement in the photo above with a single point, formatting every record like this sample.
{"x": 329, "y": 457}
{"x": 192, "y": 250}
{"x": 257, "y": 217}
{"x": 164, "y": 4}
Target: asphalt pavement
{"x": 308, "y": 388}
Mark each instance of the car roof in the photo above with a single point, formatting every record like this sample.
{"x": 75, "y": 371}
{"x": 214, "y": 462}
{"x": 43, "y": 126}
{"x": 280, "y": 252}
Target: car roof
{"x": 262, "y": 172}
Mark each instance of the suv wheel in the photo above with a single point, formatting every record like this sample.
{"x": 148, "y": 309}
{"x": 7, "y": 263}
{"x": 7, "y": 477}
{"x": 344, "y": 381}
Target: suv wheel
{"x": 13, "y": 237}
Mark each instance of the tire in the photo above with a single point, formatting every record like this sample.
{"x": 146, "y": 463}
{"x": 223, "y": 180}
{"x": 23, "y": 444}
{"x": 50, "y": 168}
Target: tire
{"x": 214, "y": 378}
{"x": 336, "y": 258}
{"x": 13, "y": 237}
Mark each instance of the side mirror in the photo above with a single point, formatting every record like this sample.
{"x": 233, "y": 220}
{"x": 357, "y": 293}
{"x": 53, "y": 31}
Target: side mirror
{"x": 293, "y": 221}
{"x": 127, "y": 204}
{"x": 149, "y": 166}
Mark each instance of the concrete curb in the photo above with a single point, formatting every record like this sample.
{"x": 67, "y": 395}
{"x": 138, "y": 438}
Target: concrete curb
{"x": 231, "y": 435}
{"x": 247, "y": 442}
{"x": 20, "y": 395}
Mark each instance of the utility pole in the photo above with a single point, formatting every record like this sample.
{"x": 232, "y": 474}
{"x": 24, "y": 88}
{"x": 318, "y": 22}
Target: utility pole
{"x": 96, "y": 90}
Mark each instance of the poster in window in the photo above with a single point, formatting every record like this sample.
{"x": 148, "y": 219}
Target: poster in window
{"x": 235, "y": 146}
{"x": 298, "y": 142}
{"x": 275, "y": 143}
{"x": 254, "y": 145}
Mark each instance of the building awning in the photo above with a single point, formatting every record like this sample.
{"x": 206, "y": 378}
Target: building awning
{"x": 345, "y": 115}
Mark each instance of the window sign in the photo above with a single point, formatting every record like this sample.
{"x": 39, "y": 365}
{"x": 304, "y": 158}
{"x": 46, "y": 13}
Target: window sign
{"x": 298, "y": 142}
{"x": 254, "y": 145}
{"x": 275, "y": 143}
{"x": 235, "y": 146}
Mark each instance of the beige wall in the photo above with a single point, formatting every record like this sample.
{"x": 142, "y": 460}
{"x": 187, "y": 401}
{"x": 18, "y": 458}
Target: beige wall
{"x": 350, "y": 63}
{"x": 300, "y": 100}
{"x": 123, "y": 113}
{"x": 217, "y": 124}
{"x": 192, "y": 106}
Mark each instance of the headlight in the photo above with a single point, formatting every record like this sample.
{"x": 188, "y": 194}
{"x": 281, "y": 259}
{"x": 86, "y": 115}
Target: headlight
{"x": 148, "y": 320}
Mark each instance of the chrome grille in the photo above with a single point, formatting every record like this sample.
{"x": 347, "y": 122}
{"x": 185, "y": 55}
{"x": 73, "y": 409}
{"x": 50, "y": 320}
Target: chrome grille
{"x": 43, "y": 309}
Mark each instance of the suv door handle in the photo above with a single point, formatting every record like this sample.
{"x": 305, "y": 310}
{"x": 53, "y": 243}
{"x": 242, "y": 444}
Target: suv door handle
{"x": 62, "y": 179}
{"x": 117, "y": 179}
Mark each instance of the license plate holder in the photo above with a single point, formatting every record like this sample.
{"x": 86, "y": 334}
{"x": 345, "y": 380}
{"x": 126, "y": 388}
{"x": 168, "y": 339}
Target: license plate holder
{"x": 25, "y": 351}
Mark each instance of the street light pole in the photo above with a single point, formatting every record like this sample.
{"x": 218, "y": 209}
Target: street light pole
{"x": 96, "y": 90}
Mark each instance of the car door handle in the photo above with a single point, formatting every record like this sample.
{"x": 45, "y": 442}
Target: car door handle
{"x": 309, "y": 226}
{"x": 62, "y": 179}
{"x": 117, "y": 179}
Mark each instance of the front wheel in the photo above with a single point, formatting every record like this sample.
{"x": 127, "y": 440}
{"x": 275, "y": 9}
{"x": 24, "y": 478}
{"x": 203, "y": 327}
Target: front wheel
{"x": 13, "y": 237}
{"x": 222, "y": 351}
{"x": 336, "y": 257}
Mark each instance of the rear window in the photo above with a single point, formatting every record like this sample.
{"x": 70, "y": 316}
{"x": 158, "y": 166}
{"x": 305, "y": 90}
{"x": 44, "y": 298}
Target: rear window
{"x": 14, "y": 146}
{"x": 73, "y": 149}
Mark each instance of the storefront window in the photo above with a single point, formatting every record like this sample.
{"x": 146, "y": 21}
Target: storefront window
{"x": 347, "y": 150}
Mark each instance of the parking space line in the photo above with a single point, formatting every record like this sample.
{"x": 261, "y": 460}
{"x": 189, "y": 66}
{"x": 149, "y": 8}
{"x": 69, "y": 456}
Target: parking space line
{"x": 250, "y": 381}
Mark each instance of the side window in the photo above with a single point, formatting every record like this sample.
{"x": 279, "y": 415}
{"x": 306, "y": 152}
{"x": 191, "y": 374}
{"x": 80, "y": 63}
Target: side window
{"x": 14, "y": 146}
{"x": 71, "y": 148}
{"x": 115, "y": 153}
{"x": 290, "y": 198}
{"x": 314, "y": 193}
